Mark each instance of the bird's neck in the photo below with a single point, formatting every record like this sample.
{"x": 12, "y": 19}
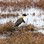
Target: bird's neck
{"x": 23, "y": 16}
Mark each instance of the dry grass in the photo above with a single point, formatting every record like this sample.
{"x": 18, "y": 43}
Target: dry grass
{"x": 24, "y": 38}
{"x": 8, "y": 15}
{"x": 6, "y": 27}
{"x": 21, "y": 35}
{"x": 24, "y": 3}
{"x": 9, "y": 26}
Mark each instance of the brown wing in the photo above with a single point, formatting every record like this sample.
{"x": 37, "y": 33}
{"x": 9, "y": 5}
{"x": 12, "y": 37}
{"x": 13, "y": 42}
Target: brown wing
{"x": 18, "y": 22}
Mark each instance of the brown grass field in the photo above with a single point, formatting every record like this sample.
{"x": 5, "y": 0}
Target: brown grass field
{"x": 8, "y": 15}
{"x": 24, "y": 3}
{"x": 21, "y": 35}
{"x": 24, "y": 38}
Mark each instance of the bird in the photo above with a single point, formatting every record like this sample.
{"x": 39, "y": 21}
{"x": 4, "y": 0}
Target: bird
{"x": 20, "y": 20}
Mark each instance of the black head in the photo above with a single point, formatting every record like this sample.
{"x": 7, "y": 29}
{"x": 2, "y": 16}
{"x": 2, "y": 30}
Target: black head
{"x": 24, "y": 15}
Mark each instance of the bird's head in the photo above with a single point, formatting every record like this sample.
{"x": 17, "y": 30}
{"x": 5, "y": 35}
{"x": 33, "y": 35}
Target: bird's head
{"x": 24, "y": 15}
